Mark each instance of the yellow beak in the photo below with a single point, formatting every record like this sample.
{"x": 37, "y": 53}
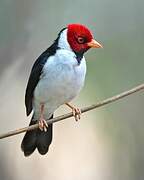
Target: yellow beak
{"x": 94, "y": 44}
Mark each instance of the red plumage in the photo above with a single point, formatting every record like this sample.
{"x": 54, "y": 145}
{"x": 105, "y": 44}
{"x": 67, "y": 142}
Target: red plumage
{"x": 75, "y": 32}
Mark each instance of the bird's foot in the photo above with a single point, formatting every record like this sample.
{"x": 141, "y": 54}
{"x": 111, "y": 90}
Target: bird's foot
{"x": 75, "y": 111}
{"x": 42, "y": 124}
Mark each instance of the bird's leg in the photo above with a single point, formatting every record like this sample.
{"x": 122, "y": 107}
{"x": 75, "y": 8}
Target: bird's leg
{"x": 42, "y": 122}
{"x": 76, "y": 111}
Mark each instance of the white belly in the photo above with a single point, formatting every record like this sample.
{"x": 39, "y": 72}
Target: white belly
{"x": 61, "y": 81}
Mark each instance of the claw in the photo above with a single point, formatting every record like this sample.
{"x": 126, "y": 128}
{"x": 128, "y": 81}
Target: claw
{"x": 43, "y": 125}
{"x": 42, "y": 122}
{"x": 76, "y": 111}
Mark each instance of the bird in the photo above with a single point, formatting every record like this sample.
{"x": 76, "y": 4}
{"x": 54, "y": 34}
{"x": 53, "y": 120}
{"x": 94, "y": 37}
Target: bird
{"x": 56, "y": 78}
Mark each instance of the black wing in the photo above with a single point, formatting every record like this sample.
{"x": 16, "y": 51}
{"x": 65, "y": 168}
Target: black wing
{"x": 36, "y": 73}
{"x": 33, "y": 81}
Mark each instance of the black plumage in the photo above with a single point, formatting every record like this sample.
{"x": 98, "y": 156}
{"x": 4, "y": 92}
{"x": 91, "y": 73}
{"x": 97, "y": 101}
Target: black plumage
{"x": 37, "y": 139}
{"x": 35, "y": 75}
{"x": 37, "y": 71}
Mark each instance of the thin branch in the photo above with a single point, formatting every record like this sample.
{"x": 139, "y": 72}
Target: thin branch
{"x": 85, "y": 109}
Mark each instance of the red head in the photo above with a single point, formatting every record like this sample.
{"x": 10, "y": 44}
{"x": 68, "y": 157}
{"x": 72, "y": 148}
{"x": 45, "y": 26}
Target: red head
{"x": 80, "y": 38}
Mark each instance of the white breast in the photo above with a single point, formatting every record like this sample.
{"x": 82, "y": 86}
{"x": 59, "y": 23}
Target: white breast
{"x": 61, "y": 81}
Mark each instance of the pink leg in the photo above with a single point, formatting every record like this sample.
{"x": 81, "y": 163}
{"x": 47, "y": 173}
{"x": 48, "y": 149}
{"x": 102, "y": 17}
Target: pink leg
{"x": 42, "y": 122}
{"x": 76, "y": 111}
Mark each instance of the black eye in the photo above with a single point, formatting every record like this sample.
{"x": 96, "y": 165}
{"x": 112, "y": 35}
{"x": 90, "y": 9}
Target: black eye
{"x": 81, "y": 40}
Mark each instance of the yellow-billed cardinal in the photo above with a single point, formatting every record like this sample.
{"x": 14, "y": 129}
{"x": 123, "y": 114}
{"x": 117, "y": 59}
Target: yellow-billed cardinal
{"x": 57, "y": 76}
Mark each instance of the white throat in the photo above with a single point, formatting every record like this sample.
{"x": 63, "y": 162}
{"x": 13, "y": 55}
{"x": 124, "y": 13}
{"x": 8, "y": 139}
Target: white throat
{"x": 63, "y": 43}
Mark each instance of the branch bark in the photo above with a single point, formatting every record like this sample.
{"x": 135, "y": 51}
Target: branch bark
{"x": 83, "y": 110}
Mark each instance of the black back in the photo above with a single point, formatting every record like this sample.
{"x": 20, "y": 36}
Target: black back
{"x": 36, "y": 73}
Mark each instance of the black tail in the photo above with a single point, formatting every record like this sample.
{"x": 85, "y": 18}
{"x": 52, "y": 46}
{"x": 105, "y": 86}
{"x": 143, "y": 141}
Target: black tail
{"x": 37, "y": 139}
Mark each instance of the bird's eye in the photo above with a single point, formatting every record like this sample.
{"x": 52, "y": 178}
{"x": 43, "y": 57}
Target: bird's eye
{"x": 81, "y": 40}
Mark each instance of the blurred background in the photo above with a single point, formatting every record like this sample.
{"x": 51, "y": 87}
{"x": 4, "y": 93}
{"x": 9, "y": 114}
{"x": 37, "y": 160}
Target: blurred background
{"x": 108, "y": 143}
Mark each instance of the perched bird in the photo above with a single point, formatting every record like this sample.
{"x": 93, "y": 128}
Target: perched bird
{"x": 57, "y": 77}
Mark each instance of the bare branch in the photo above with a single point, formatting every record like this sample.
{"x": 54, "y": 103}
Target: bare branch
{"x": 85, "y": 109}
